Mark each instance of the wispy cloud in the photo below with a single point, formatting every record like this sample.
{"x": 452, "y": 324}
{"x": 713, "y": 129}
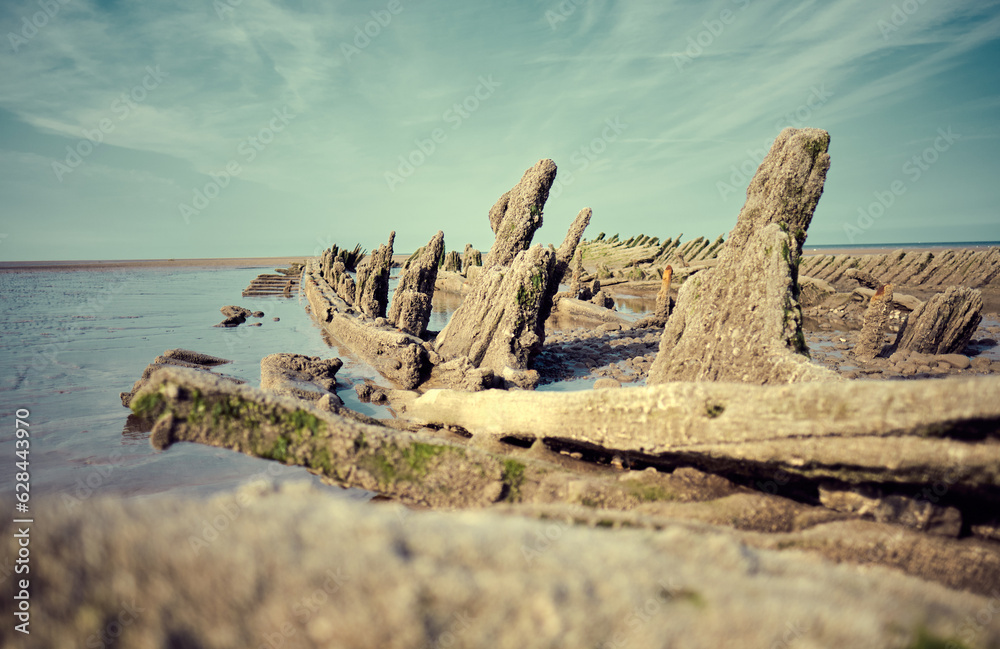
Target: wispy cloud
{"x": 698, "y": 84}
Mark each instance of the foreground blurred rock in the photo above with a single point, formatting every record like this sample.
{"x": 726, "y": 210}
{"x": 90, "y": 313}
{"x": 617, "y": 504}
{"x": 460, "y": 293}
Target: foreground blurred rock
{"x": 300, "y": 569}
{"x": 741, "y": 320}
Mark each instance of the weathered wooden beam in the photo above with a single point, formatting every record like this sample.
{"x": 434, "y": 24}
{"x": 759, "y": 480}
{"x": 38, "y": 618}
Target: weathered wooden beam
{"x": 415, "y": 468}
{"x": 397, "y": 356}
{"x": 882, "y": 431}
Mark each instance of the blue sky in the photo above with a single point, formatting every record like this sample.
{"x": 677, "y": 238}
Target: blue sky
{"x": 235, "y": 128}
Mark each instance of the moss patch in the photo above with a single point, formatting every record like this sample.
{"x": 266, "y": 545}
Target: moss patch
{"x": 380, "y": 467}
{"x": 279, "y": 451}
{"x": 322, "y": 460}
{"x": 148, "y": 404}
{"x": 648, "y": 493}
{"x": 814, "y": 147}
{"x": 513, "y": 478}
{"x": 225, "y": 409}
{"x": 799, "y": 343}
{"x": 418, "y": 455}
{"x": 927, "y": 640}
{"x": 683, "y": 595}
{"x": 260, "y": 429}
{"x": 390, "y": 464}
{"x": 528, "y": 295}
{"x": 301, "y": 420}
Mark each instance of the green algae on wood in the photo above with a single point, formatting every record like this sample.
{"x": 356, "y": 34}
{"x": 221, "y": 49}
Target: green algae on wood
{"x": 513, "y": 479}
{"x": 647, "y": 492}
{"x": 410, "y": 467}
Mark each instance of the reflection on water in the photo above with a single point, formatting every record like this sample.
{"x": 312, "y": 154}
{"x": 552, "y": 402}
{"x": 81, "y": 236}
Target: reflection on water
{"x": 634, "y": 304}
{"x": 442, "y": 307}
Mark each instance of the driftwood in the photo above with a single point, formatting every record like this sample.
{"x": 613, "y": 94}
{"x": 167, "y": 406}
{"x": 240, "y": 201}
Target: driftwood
{"x": 962, "y": 267}
{"x": 518, "y": 213}
{"x": 309, "y": 378}
{"x": 864, "y": 279}
{"x": 576, "y": 274}
{"x": 415, "y": 468}
{"x": 176, "y": 358}
{"x": 565, "y": 255}
{"x": 471, "y": 257}
{"x": 904, "y": 432}
{"x": 901, "y": 301}
{"x": 500, "y": 324}
{"x": 452, "y": 262}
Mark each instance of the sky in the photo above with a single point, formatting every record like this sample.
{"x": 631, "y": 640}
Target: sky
{"x": 240, "y": 128}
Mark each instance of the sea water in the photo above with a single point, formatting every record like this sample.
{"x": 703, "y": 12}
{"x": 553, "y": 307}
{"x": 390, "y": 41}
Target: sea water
{"x": 71, "y": 341}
